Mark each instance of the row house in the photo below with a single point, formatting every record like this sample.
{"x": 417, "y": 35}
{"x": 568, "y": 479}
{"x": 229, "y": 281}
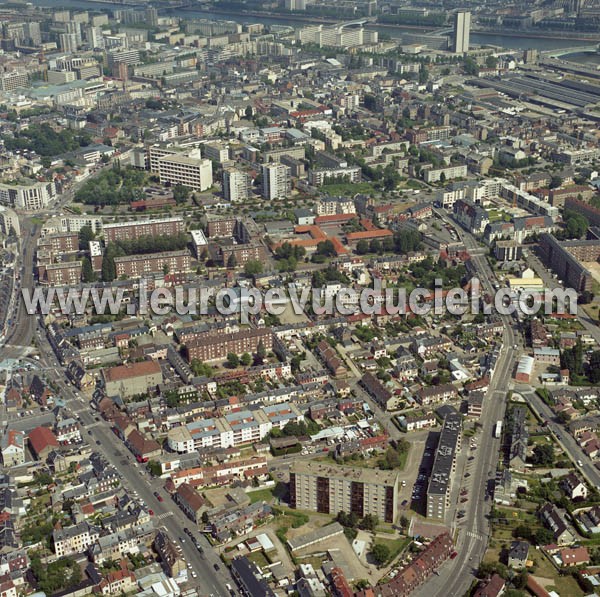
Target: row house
{"x": 118, "y": 582}
{"x": 430, "y": 345}
{"x": 417, "y": 421}
{"x": 331, "y": 359}
{"x": 435, "y": 394}
{"x": 238, "y": 521}
{"x": 68, "y": 431}
{"x": 117, "y": 545}
{"x": 554, "y": 519}
{"x": 519, "y": 438}
{"x": 74, "y": 539}
{"x": 190, "y": 501}
{"x": 173, "y": 563}
{"x": 424, "y": 565}
{"x": 377, "y": 390}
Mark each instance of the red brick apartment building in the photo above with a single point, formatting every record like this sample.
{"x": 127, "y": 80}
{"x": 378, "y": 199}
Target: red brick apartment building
{"x": 175, "y": 262}
{"x": 61, "y": 242}
{"x": 218, "y": 346}
{"x": 61, "y": 274}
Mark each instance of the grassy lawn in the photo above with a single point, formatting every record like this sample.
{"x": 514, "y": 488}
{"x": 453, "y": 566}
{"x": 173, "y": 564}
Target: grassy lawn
{"x": 258, "y": 557}
{"x": 261, "y": 495}
{"x": 348, "y": 188}
{"x": 268, "y": 493}
{"x": 503, "y": 531}
{"x": 394, "y": 545}
{"x": 564, "y": 585}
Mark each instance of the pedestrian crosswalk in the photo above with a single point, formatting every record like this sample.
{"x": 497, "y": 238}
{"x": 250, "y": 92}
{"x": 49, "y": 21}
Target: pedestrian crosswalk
{"x": 475, "y": 535}
{"x": 165, "y": 515}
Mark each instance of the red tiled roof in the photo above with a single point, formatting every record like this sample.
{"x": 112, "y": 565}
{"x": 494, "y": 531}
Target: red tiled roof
{"x": 122, "y": 372}
{"x": 42, "y": 438}
{"x": 367, "y": 234}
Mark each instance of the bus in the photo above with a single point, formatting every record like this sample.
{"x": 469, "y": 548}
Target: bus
{"x": 498, "y": 429}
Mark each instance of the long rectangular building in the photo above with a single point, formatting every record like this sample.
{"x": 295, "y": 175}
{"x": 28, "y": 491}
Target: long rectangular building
{"x": 444, "y": 466}
{"x": 330, "y": 489}
{"x": 567, "y": 260}
{"x": 213, "y": 347}
{"x": 231, "y": 430}
{"x": 170, "y": 262}
{"x": 134, "y": 229}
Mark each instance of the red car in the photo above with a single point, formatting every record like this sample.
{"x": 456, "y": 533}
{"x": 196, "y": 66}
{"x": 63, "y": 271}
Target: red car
{"x": 158, "y": 496}
{"x": 151, "y": 512}
{"x": 453, "y": 555}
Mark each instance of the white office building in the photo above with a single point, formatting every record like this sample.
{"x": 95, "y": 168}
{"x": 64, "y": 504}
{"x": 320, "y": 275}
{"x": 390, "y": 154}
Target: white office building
{"x": 194, "y": 173}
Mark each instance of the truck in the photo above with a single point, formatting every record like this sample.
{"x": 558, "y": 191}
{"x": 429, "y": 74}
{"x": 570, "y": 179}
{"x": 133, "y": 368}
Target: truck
{"x": 498, "y": 429}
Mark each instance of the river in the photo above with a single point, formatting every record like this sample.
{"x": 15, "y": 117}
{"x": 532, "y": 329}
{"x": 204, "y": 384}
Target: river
{"x": 516, "y": 42}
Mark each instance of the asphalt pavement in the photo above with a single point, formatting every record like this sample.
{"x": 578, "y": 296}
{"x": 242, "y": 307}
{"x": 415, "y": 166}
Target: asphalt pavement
{"x": 471, "y": 536}
{"x": 210, "y": 580}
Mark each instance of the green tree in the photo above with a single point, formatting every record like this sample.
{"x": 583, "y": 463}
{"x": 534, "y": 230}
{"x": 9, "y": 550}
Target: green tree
{"x": 491, "y": 62}
{"x": 87, "y": 272}
{"x": 231, "y": 261}
{"x": 555, "y": 181}
{"x": 369, "y": 522}
{"x": 544, "y": 536}
{"x": 594, "y": 371}
{"x": 470, "y": 66}
{"x": 154, "y": 468}
{"x": 253, "y": 267}
{"x": 543, "y": 455}
{"x": 180, "y": 193}
{"x": 362, "y": 247}
{"x": 246, "y": 359}
{"x": 201, "y": 369}
{"x": 109, "y": 271}
{"x": 232, "y": 360}
{"x": 380, "y": 553}
{"x": 326, "y": 248}
{"x": 261, "y": 351}
{"x": 86, "y": 234}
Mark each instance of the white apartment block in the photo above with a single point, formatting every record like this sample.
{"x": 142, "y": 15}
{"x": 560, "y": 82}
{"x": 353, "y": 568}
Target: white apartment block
{"x": 320, "y": 177}
{"x": 13, "y": 80}
{"x": 232, "y": 430}
{"x": 28, "y": 197}
{"x": 9, "y": 219}
{"x": 450, "y": 172}
{"x": 216, "y": 152}
{"x": 276, "y": 181}
{"x": 236, "y": 185}
{"x": 331, "y": 206}
{"x": 194, "y": 173}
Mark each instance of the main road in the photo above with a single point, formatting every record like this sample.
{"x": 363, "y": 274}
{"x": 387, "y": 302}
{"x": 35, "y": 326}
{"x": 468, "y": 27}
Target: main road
{"x": 563, "y": 437}
{"x": 213, "y": 576}
{"x": 456, "y": 576}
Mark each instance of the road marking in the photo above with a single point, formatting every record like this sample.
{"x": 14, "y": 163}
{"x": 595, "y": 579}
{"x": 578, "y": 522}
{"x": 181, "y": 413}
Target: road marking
{"x": 165, "y": 515}
{"x": 477, "y": 536}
